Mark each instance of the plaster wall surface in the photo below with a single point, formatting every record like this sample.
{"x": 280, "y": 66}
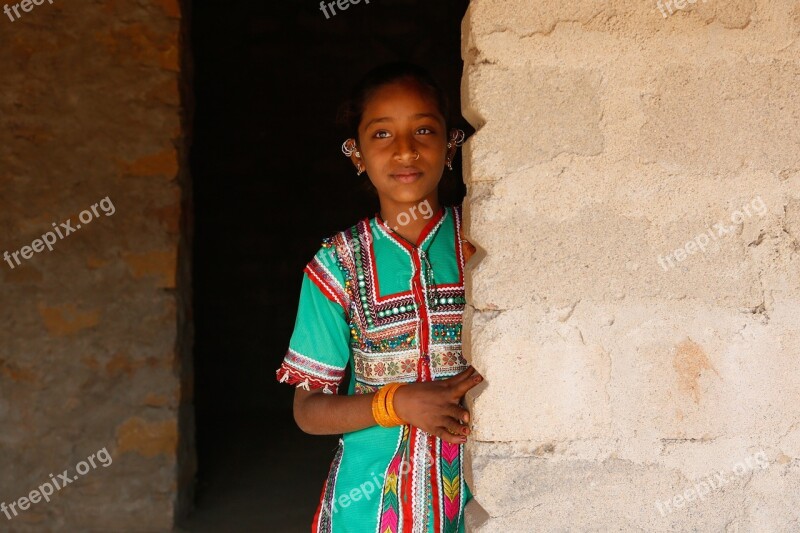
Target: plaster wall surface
{"x": 634, "y": 194}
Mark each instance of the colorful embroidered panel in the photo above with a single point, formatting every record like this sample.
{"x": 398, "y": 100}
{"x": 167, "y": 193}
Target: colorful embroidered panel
{"x": 385, "y": 325}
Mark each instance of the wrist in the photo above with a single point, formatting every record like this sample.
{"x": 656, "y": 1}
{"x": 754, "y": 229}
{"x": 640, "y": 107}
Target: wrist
{"x": 399, "y": 401}
{"x": 390, "y": 404}
{"x": 383, "y": 410}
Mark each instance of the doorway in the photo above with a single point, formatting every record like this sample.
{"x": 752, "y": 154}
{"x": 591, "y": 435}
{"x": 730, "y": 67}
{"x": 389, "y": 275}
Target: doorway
{"x": 269, "y": 182}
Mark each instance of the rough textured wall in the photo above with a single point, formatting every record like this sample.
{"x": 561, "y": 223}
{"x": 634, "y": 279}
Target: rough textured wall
{"x": 634, "y": 191}
{"x": 95, "y": 335}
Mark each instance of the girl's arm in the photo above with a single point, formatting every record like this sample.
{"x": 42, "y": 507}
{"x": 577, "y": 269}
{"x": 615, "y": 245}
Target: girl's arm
{"x": 432, "y": 406}
{"x": 317, "y": 413}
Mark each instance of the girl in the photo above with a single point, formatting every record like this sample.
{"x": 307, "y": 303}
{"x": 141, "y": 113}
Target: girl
{"x": 386, "y": 296}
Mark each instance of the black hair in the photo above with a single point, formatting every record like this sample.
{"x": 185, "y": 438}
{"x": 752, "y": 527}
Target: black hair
{"x": 352, "y": 109}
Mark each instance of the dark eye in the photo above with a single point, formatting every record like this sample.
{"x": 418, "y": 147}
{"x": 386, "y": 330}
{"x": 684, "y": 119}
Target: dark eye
{"x": 379, "y": 133}
{"x": 425, "y": 129}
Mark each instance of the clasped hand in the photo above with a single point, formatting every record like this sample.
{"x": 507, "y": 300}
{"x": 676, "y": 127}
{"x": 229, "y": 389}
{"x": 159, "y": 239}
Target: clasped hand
{"x": 434, "y": 406}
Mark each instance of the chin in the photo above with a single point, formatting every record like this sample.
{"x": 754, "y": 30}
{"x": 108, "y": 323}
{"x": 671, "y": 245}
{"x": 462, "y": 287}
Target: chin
{"x": 419, "y": 189}
{"x": 410, "y": 195}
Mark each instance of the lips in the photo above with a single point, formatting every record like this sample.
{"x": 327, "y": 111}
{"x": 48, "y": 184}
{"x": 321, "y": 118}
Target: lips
{"x": 407, "y": 175}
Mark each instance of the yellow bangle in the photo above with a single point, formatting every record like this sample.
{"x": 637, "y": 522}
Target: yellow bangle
{"x": 379, "y": 408}
{"x": 387, "y": 419}
{"x": 390, "y": 405}
{"x": 383, "y": 407}
{"x": 375, "y": 407}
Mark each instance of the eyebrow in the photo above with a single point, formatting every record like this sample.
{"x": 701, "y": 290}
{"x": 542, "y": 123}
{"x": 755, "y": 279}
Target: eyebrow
{"x": 389, "y": 119}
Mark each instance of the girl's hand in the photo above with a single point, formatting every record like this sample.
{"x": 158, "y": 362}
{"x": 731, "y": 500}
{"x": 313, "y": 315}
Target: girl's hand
{"x": 433, "y": 406}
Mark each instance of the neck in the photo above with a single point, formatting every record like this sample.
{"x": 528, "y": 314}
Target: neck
{"x": 409, "y": 219}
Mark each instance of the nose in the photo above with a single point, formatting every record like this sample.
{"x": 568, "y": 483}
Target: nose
{"x": 406, "y": 150}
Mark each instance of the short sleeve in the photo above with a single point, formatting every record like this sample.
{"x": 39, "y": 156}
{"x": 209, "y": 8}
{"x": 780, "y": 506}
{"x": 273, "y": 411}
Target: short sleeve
{"x": 319, "y": 348}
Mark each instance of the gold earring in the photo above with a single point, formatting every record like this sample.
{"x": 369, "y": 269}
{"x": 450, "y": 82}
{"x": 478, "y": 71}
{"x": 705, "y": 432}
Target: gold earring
{"x": 360, "y": 170}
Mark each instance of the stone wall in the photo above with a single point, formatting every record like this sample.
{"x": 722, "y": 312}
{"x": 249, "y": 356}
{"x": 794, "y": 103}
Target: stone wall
{"x": 95, "y": 334}
{"x": 634, "y": 193}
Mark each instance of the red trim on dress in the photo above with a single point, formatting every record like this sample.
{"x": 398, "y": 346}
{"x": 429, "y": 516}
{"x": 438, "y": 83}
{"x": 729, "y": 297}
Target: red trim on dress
{"x": 434, "y": 477}
{"x": 293, "y": 375}
{"x": 323, "y": 287}
{"x": 318, "y": 513}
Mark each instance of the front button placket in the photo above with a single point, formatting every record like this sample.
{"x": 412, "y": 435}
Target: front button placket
{"x": 420, "y": 296}
{"x": 423, "y": 286}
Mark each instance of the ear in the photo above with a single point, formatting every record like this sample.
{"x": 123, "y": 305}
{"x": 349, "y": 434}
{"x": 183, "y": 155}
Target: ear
{"x": 451, "y": 152}
{"x": 355, "y": 159}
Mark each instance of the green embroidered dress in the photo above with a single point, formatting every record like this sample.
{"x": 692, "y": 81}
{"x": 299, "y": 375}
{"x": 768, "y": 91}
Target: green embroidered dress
{"x": 393, "y": 311}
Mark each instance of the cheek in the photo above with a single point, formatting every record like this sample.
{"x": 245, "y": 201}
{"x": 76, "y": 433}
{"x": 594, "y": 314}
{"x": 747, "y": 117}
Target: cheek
{"x": 436, "y": 151}
{"x": 377, "y": 160}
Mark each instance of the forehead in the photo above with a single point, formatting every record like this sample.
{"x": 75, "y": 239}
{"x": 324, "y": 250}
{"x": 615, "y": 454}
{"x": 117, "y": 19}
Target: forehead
{"x": 400, "y": 100}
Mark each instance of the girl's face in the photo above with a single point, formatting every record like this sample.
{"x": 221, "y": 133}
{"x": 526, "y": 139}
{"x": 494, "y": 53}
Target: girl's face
{"x": 403, "y": 143}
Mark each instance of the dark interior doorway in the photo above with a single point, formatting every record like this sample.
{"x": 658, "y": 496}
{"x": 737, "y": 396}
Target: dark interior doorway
{"x": 269, "y": 182}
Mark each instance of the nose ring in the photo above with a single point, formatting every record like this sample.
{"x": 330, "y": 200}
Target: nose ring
{"x": 417, "y": 155}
